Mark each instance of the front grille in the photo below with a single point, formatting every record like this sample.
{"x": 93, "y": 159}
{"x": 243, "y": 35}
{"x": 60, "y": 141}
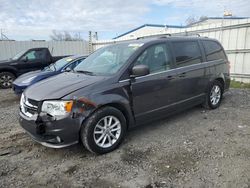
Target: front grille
{"x": 30, "y": 110}
{"x": 28, "y": 106}
{"x": 33, "y": 102}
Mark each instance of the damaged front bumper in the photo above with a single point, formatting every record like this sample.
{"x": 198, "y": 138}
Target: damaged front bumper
{"x": 51, "y": 132}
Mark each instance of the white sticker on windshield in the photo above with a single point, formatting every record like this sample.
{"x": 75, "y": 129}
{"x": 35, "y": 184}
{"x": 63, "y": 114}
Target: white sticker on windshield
{"x": 69, "y": 59}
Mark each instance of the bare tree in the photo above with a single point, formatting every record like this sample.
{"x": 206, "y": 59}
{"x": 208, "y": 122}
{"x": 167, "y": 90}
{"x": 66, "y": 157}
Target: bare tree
{"x": 202, "y": 18}
{"x": 192, "y": 19}
{"x": 65, "y": 36}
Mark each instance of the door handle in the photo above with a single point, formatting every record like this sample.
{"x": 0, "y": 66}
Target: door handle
{"x": 182, "y": 75}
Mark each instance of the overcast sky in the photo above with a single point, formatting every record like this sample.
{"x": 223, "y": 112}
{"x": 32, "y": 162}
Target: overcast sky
{"x": 35, "y": 19}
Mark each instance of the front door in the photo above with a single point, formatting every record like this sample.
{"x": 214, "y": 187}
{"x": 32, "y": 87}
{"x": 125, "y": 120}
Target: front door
{"x": 154, "y": 93}
{"x": 32, "y": 60}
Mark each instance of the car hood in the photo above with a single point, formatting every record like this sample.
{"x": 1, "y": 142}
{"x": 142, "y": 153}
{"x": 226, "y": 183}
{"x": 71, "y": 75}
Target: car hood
{"x": 36, "y": 75}
{"x": 59, "y": 86}
{"x": 6, "y": 62}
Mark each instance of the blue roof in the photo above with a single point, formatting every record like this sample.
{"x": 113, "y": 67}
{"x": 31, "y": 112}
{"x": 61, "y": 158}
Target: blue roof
{"x": 149, "y": 25}
{"x": 175, "y": 26}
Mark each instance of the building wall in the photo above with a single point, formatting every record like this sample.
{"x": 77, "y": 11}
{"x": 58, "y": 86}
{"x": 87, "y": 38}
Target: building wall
{"x": 9, "y": 49}
{"x": 233, "y": 34}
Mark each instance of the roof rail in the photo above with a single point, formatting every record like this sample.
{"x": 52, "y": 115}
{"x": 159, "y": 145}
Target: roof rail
{"x": 165, "y": 35}
{"x": 192, "y": 34}
{"x": 156, "y": 35}
{"x": 169, "y": 35}
{"x": 188, "y": 35}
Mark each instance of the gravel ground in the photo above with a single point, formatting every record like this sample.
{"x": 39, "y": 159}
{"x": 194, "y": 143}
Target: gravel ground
{"x": 196, "y": 148}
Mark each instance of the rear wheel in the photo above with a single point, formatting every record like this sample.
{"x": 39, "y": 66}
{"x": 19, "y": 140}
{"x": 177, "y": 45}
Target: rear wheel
{"x": 103, "y": 131}
{"x": 6, "y": 80}
{"x": 214, "y": 95}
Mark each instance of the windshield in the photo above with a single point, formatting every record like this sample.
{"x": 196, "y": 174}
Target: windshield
{"x": 17, "y": 56}
{"x": 59, "y": 64}
{"x": 107, "y": 60}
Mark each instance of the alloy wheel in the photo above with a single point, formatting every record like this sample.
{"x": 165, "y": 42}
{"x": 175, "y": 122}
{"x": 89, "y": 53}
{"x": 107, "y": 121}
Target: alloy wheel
{"x": 107, "y": 131}
{"x": 6, "y": 80}
{"x": 215, "y": 95}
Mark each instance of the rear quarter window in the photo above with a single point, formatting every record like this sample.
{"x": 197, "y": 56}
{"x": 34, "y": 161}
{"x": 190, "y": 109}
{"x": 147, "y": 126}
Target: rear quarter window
{"x": 187, "y": 53}
{"x": 213, "y": 51}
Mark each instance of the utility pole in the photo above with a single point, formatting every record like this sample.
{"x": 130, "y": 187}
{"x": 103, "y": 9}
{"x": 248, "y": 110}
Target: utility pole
{"x": 90, "y": 42}
{"x": 96, "y": 36}
{"x": 3, "y": 36}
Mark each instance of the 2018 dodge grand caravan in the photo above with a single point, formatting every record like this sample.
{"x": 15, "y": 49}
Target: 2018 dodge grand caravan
{"x": 123, "y": 85}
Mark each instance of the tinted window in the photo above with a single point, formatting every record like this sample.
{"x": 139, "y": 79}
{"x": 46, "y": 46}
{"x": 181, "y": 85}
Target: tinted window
{"x": 213, "y": 50}
{"x": 187, "y": 53}
{"x": 156, "y": 57}
{"x": 35, "y": 55}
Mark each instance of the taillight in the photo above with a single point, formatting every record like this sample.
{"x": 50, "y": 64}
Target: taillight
{"x": 229, "y": 65}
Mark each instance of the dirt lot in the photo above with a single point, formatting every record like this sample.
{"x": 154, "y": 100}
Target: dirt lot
{"x": 196, "y": 148}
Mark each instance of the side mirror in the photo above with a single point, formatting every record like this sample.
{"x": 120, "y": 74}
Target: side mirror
{"x": 26, "y": 59}
{"x": 139, "y": 70}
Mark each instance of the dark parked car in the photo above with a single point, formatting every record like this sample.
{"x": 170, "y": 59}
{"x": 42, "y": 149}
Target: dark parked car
{"x": 123, "y": 85}
{"x": 26, "y": 61}
{"x": 30, "y": 78}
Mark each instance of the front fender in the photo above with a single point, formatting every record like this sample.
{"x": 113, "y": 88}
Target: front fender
{"x": 7, "y": 68}
{"x": 86, "y": 106}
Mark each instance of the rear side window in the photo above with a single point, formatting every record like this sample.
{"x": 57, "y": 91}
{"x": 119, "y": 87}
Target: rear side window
{"x": 187, "y": 53}
{"x": 213, "y": 51}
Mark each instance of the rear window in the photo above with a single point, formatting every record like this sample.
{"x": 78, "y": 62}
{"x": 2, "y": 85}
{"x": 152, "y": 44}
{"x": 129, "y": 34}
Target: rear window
{"x": 213, "y": 51}
{"x": 187, "y": 53}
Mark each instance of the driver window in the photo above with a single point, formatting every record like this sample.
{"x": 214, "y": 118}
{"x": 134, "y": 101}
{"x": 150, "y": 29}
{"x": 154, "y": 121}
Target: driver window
{"x": 156, "y": 57}
{"x": 34, "y": 55}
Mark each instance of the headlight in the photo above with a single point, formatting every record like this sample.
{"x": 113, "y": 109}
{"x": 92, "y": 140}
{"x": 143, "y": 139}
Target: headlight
{"x": 27, "y": 81}
{"x": 57, "y": 108}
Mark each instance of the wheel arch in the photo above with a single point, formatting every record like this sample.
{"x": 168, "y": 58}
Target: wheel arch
{"x": 221, "y": 80}
{"x": 9, "y": 69}
{"x": 87, "y": 139}
{"x": 218, "y": 77}
{"x": 121, "y": 108}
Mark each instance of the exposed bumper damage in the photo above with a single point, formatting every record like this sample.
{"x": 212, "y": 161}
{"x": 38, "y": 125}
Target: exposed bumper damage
{"x": 57, "y": 132}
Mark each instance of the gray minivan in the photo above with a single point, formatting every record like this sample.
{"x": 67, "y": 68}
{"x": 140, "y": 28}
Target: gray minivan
{"x": 124, "y": 85}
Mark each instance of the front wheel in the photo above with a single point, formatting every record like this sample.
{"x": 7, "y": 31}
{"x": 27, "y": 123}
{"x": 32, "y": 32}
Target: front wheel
{"x": 104, "y": 130}
{"x": 6, "y": 80}
{"x": 214, "y": 95}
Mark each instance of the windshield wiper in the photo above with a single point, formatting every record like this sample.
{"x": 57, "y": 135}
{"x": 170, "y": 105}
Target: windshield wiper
{"x": 84, "y": 72}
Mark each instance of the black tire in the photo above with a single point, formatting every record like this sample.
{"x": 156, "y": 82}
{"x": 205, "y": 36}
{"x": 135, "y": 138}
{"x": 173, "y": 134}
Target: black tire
{"x": 88, "y": 127}
{"x": 6, "y": 80}
{"x": 208, "y": 103}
